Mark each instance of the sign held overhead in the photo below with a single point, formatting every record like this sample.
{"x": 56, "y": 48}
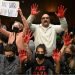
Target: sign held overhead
{"x": 9, "y": 8}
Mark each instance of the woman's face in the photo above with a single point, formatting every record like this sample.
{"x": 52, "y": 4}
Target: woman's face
{"x": 40, "y": 51}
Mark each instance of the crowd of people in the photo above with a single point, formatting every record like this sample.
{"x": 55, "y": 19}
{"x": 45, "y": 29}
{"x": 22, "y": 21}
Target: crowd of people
{"x": 47, "y": 58}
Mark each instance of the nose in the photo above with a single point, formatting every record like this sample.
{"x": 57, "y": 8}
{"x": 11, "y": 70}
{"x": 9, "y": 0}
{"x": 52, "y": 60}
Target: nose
{"x": 45, "y": 19}
{"x": 40, "y": 52}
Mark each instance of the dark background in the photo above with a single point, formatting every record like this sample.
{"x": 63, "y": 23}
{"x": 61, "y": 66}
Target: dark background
{"x": 45, "y": 5}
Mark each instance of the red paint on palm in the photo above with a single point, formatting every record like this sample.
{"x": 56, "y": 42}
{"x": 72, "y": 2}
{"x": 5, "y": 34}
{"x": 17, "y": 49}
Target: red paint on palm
{"x": 34, "y": 9}
{"x": 61, "y": 11}
{"x": 67, "y": 39}
{"x": 22, "y": 55}
{"x": 56, "y": 55}
{"x": 28, "y": 36}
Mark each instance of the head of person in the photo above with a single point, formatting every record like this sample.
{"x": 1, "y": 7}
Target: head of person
{"x": 70, "y": 51}
{"x": 9, "y": 53}
{"x": 40, "y": 51}
{"x": 17, "y": 27}
{"x": 45, "y": 20}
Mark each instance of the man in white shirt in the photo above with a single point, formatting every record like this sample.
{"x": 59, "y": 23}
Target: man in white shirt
{"x": 45, "y": 33}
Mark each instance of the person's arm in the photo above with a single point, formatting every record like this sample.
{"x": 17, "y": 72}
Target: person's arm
{"x": 24, "y": 60}
{"x": 4, "y": 31}
{"x": 25, "y": 23}
{"x": 63, "y": 23}
{"x": 67, "y": 41}
{"x": 24, "y": 54}
{"x": 56, "y": 56}
{"x": 58, "y": 59}
{"x": 34, "y": 12}
{"x": 57, "y": 68}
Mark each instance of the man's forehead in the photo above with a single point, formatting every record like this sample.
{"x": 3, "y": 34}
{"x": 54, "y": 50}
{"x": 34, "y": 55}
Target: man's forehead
{"x": 45, "y": 15}
{"x": 40, "y": 49}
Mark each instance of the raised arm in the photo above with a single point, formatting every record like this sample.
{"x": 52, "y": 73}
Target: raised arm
{"x": 4, "y": 31}
{"x": 61, "y": 15}
{"x": 24, "y": 21}
{"x": 34, "y": 12}
{"x": 67, "y": 41}
{"x": 57, "y": 55}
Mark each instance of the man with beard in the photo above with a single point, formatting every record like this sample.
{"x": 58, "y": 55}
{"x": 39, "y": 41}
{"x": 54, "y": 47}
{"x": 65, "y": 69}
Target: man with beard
{"x": 45, "y": 33}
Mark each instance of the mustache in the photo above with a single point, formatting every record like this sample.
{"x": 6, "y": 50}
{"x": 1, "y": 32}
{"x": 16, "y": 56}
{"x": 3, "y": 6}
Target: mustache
{"x": 45, "y": 21}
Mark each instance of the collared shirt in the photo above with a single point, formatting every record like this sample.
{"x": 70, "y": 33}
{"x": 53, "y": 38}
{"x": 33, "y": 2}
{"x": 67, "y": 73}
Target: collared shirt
{"x": 47, "y": 35}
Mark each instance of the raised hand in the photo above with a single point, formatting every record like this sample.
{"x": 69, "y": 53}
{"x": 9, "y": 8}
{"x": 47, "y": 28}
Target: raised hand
{"x": 20, "y": 12}
{"x": 28, "y": 36}
{"x": 25, "y": 23}
{"x": 22, "y": 55}
{"x": 61, "y": 11}
{"x": 34, "y": 9}
{"x": 56, "y": 56}
{"x": 67, "y": 39}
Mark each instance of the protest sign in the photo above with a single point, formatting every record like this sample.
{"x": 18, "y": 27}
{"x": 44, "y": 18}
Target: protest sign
{"x": 9, "y": 8}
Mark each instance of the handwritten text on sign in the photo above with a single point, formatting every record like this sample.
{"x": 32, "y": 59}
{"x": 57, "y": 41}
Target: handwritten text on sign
{"x": 9, "y": 8}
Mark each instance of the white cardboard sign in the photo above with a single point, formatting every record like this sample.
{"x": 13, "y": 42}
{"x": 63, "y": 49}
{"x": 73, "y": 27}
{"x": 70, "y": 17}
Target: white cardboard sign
{"x": 9, "y": 8}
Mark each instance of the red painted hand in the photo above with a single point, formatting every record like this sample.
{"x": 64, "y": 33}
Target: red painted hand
{"x": 56, "y": 56}
{"x": 61, "y": 11}
{"x": 22, "y": 55}
{"x": 28, "y": 36}
{"x": 34, "y": 9}
{"x": 67, "y": 39}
